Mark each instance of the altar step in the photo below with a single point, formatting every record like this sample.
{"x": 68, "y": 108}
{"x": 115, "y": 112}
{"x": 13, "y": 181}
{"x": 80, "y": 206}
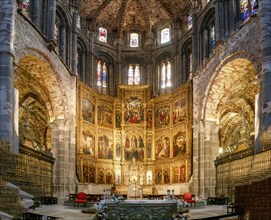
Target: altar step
{"x": 57, "y": 212}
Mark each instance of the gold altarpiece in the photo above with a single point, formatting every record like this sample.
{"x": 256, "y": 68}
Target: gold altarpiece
{"x": 134, "y": 138}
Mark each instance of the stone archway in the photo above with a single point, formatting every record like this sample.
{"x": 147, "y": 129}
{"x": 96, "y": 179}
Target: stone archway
{"x": 227, "y": 107}
{"x": 48, "y": 91}
{"x": 230, "y": 103}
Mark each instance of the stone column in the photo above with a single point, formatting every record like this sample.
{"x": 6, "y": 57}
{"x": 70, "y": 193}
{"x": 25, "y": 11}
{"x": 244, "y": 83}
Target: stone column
{"x": 194, "y": 43}
{"x": 265, "y": 23}
{"x": 7, "y": 15}
{"x": 119, "y": 44}
{"x": 63, "y": 146}
{"x": 90, "y": 74}
{"x": 206, "y": 145}
{"x": 51, "y": 18}
{"x": 74, "y": 42}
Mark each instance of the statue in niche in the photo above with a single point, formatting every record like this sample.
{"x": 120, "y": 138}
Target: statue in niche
{"x": 149, "y": 119}
{"x": 134, "y": 141}
{"x": 182, "y": 173}
{"x": 109, "y": 179}
{"x": 127, "y": 142}
{"x": 118, "y": 150}
{"x": 85, "y": 173}
{"x": 92, "y": 174}
{"x": 166, "y": 177}
{"x": 149, "y": 150}
{"x": 118, "y": 120}
{"x": 176, "y": 175}
{"x": 158, "y": 177}
{"x": 101, "y": 177}
{"x": 140, "y": 142}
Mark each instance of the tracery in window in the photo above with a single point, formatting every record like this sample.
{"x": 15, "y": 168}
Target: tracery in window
{"x": 165, "y": 74}
{"x": 189, "y": 22}
{"x": 102, "y": 35}
{"x": 134, "y": 40}
{"x": 134, "y": 74}
{"x": 165, "y": 35}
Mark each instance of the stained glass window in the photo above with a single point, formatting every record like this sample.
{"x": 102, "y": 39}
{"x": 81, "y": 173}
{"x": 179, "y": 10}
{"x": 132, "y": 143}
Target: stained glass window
{"x": 99, "y": 73}
{"x": 168, "y": 75}
{"x": 212, "y": 37}
{"x": 244, "y": 10}
{"x": 165, "y": 74}
{"x": 254, "y": 7}
{"x": 190, "y": 62}
{"x": 165, "y": 35}
{"x": 134, "y": 74}
{"x": 102, "y": 74}
{"x": 24, "y": 6}
{"x": 78, "y": 21}
{"x": 102, "y": 34}
{"x": 133, "y": 40}
{"x": 189, "y": 21}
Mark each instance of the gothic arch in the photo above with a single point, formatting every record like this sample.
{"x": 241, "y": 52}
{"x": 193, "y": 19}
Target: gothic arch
{"x": 230, "y": 100}
{"x": 32, "y": 64}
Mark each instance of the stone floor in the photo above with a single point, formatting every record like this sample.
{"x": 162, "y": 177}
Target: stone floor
{"x": 71, "y": 213}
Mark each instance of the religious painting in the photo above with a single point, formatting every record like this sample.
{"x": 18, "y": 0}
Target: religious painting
{"x": 158, "y": 176}
{"x": 88, "y": 111}
{"x": 85, "y": 172}
{"x": 118, "y": 119}
{"x": 105, "y": 148}
{"x": 105, "y": 116}
{"x": 162, "y": 117}
{"x": 134, "y": 148}
{"x": 166, "y": 176}
{"x": 149, "y": 118}
{"x": 179, "y": 144}
{"x": 134, "y": 111}
{"x": 92, "y": 174}
{"x": 88, "y": 144}
{"x": 162, "y": 147}
{"x": 179, "y": 111}
{"x": 109, "y": 177}
{"x": 182, "y": 173}
{"x": 101, "y": 176}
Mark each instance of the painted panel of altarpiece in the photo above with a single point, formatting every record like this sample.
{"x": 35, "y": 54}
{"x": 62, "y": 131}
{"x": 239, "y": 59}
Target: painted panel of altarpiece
{"x": 88, "y": 110}
{"x": 105, "y": 114}
{"x": 134, "y": 111}
{"x": 134, "y": 135}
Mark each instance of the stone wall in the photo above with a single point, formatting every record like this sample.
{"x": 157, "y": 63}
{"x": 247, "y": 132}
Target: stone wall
{"x": 58, "y": 88}
{"x": 244, "y": 43}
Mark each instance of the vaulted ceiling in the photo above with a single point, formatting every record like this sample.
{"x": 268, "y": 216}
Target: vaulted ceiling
{"x": 125, "y": 14}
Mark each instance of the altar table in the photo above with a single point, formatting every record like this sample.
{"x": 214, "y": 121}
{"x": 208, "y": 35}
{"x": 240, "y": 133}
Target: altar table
{"x": 141, "y": 209}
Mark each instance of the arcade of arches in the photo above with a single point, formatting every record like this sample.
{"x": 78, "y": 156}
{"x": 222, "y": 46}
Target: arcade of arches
{"x": 103, "y": 93}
